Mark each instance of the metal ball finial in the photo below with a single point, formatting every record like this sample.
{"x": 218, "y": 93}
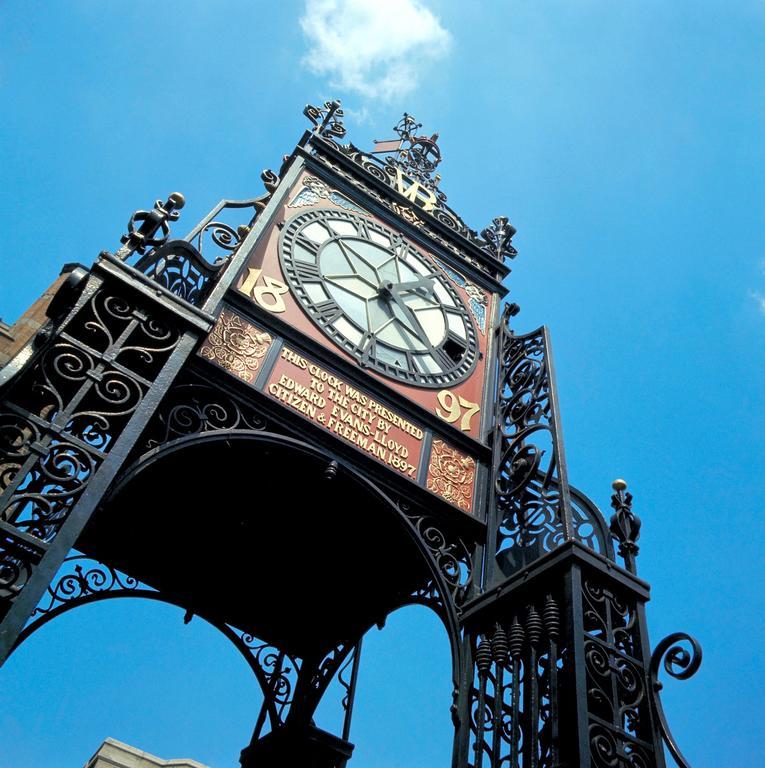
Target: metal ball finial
{"x": 619, "y": 485}
{"x": 178, "y": 200}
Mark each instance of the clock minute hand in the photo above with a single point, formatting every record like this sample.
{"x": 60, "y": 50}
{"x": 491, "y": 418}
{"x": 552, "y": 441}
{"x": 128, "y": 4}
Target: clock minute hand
{"x": 389, "y": 291}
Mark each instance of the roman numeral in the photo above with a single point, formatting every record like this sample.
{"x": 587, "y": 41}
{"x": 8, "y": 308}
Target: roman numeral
{"x": 306, "y": 270}
{"x": 410, "y": 364}
{"x": 327, "y": 311}
{"x": 401, "y": 248}
{"x": 367, "y": 348}
{"x": 309, "y": 245}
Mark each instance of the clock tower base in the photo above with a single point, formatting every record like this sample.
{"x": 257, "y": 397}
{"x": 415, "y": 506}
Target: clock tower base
{"x": 306, "y": 746}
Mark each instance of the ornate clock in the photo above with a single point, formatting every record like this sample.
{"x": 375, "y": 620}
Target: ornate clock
{"x": 378, "y": 297}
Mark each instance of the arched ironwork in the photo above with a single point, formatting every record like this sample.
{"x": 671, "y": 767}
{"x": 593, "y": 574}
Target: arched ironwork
{"x": 85, "y": 581}
{"x": 448, "y": 564}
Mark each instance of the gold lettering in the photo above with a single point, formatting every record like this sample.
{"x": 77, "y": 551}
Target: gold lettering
{"x": 416, "y": 192}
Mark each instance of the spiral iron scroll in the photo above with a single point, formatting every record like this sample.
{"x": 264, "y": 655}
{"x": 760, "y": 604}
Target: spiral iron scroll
{"x": 538, "y": 509}
{"x": 180, "y": 268}
{"x": 530, "y": 484}
{"x": 450, "y": 553}
{"x": 680, "y": 663}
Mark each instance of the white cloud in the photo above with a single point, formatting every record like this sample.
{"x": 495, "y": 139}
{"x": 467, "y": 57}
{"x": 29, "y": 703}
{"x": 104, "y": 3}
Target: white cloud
{"x": 759, "y": 300}
{"x": 377, "y": 48}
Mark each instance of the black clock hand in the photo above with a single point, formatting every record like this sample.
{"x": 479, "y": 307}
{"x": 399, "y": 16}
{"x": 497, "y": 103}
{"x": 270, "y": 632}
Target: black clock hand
{"x": 425, "y": 281}
{"x": 410, "y": 315}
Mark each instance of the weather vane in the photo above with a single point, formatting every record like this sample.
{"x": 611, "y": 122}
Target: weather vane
{"x": 417, "y": 156}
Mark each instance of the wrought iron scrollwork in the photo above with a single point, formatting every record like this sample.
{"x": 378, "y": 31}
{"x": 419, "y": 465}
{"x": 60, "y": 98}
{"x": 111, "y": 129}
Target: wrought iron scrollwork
{"x": 180, "y": 268}
{"x": 83, "y": 576}
{"x": 18, "y": 559}
{"x": 184, "y": 267}
{"x": 538, "y": 510}
{"x": 188, "y": 268}
{"x": 680, "y": 663}
{"x": 224, "y": 229}
{"x": 191, "y": 407}
{"x": 620, "y": 729}
{"x": 82, "y": 580}
{"x": 294, "y": 686}
{"x": 427, "y": 595}
{"x": 530, "y": 478}
{"x": 327, "y": 120}
{"x": 63, "y": 414}
{"x": 279, "y": 673}
{"x": 451, "y": 554}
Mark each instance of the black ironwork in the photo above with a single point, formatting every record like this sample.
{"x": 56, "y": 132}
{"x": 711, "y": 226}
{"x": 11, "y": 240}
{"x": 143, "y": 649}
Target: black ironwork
{"x": 515, "y": 717}
{"x": 417, "y": 156}
{"x": 65, "y": 417}
{"x": 532, "y": 493}
{"x": 180, "y": 268}
{"x": 83, "y": 581}
{"x": 452, "y": 555}
{"x": 550, "y": 655}
{"x": 680, "y": 663}
{"x": 144, "y": 226}
{"x": 625, "y": 524}
{"x": 498, "y": 239}
{"x": 191, "y": 406}
{"x": 327, "y": 120}
{"x": 619, "y": 723}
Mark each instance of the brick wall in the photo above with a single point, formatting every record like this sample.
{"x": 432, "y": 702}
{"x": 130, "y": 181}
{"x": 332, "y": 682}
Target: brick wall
{"x": 14, "y": 337}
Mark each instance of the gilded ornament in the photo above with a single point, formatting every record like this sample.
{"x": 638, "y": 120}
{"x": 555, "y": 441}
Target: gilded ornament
{"x": 237, "y": 346}
{"x": 451, "y": 475}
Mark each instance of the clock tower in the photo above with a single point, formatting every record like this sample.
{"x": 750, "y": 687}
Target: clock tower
{"x": 306, "y": 414}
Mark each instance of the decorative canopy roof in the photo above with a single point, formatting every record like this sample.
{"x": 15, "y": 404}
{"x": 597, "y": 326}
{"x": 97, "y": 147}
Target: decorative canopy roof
{"x": 408, "y": 163}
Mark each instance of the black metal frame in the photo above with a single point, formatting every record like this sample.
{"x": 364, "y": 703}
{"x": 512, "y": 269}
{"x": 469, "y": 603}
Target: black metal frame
{"x": 551, "y": 661}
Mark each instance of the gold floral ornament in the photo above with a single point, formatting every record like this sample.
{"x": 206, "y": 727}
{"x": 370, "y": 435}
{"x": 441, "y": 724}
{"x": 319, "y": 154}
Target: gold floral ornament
{"x": 237, "y": 346}
{"x": 451, "y": 475}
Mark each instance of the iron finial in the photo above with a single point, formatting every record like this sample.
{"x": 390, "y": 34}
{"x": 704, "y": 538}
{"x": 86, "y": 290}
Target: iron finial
{"x": 177, "y": 199}
{"x": 150, "y": 229}
{"x": 497, "y": 239}
{"x": 625, "y": 524}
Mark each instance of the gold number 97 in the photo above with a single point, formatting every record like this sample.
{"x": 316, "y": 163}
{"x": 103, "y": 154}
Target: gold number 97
{"x": 453, "y": 409}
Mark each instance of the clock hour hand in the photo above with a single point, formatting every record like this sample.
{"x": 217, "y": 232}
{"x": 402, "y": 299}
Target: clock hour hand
{"x": 388, "y": 291}
{"x": 389, "y": 288}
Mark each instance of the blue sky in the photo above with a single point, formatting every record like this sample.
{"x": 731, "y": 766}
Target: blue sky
{"x": 626, "y": 143}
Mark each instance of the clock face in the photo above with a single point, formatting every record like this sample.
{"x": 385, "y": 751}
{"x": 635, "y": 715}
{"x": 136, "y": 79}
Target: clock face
{"x": 378, "y": 297}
